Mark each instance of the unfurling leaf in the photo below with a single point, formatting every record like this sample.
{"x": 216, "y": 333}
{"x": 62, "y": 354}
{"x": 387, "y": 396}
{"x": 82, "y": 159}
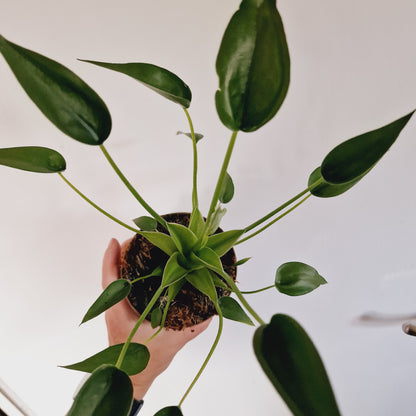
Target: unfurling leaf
{"x": 222, "y": 242}
{"x": 295, "y": 279}
{"x": 202, "y": 280}
{"x": 216, "y": 219}
{"x": 227, "y": 190}
{"x": 156, "y": 78}
{"x": 169, "y": 411}
{"x": 253, "y": 66}
{"x": 135, "y": 360}
{"x": 107, "y": 392}
{"x": 146, "y": 223}
{"x": 66, "y": 100}
{"x": 231, "y": 309}
{"x": 33, "y": 159}
{"x": 198, "y": 136}
{"x": 293, "y": 365}
{"x": 112, "y": 294}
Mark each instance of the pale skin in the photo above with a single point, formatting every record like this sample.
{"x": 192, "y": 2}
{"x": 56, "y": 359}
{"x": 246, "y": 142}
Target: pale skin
{"x": 121, "y": 318}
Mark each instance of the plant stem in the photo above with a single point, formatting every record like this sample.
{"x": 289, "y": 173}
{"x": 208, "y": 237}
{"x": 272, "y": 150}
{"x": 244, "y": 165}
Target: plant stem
{"x": 195, "y": 162}
{"x": 258, "y": 290}
{"x": 221, "y": 177}
{"x": 136, "y": 326}
{"x": 142, "y": 202}
{"x": 162, "y": 323}
{"x": 272, "y": 222}
{"x": 96, "y": 206}
{"x": 211, "y": 351}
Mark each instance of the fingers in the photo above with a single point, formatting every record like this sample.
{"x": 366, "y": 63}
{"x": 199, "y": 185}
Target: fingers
{"x": 111, "y": 263}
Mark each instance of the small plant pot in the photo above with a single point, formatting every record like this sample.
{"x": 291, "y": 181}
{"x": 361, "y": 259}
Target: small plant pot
{"x": 190, "y": 307}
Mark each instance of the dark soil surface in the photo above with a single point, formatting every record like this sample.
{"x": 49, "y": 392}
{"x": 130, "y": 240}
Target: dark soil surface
{"x": 190, "y": 306}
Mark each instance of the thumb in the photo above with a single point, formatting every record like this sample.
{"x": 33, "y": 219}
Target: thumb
{"x": 111, "y": 263}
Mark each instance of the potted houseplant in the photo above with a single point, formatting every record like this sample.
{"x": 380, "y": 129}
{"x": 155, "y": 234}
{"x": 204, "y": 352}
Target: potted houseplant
{"x": 253, "y": 68}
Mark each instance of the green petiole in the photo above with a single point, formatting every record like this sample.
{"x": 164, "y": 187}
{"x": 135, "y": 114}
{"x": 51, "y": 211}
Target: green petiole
{"x": 249, "y": 292}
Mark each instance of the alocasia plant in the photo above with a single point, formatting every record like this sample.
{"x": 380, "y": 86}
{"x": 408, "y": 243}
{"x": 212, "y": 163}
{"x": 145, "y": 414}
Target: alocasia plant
{"x": 253, "y": 67}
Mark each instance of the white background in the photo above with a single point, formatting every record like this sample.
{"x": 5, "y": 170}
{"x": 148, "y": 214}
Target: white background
{"x": 353, "y": 70}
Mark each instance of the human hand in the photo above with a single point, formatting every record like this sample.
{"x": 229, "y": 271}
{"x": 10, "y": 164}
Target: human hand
{"x": 121, "y": 318}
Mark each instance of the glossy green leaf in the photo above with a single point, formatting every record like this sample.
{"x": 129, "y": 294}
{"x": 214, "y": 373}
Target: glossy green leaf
{"x": 325, "y": 189}
{"x": 198, "y": 136}
{"x": 207, "y": 257}
{"x": 146, "y": 223}
{"x": 354, "y": 158}
{"x": 156, "y": 317}
{"x": 241, "y": 262}
{"x": 135, "y": 360}
{"x": 183, "y": 237}
{"x": 218, "y": 282}
{"x": 161, "y": 240}
{"x": 293, "y": 365}
{"x": 202, "y": 280}
{"x": 173, "y": 271}
{"x": 227, "y": 190}
{"x": 156, "y": 78}
{"x": 216, "y": 218}
{"x": 296, "y": 278}
{"x": 107, "y": 392}
{"x": 33, "y": 159}
{"x": 169, "y": 411}
{"x": 197, "y": 223}
{"x": 231, "y": 309}
{"x": 112, "y": 294}
{"x": 253, "y": 66}
{"x": 222, "y": 242}
{"x": 66, "y": 100}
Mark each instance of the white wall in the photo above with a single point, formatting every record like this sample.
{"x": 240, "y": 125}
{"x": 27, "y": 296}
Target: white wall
{"x": 353, "y": 69}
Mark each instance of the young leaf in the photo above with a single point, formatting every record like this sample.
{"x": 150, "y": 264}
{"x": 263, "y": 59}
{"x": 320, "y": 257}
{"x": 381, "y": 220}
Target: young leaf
{"x": 216, "y": 219}
{"x": 253, "y": 66}
{"x": 354, "y": 158}
{"x": 66, "y": 100}
{"x": 241, "y": 262}
{"x": 33, "y": 159}
{"x": 293, "y": 365}
{"x": 161, "y": 240}
{"x": 197, "y": 223}
{"x": 198, "y": 136}
{"x": 227, "y": 190}
{"x": 107, "y": 392}
{"x": 146, "y": 223}
{"x": 156, "y": 78}
{"x": 325, "y": 189}
{"x": 207, "y": 257}
{"x": 169, "y": 411}
{"x": 112, "y": 294}
{"x": 222, "y": 242}
{"x": 156, "y": 317}
{"x": 183, "y": 237}
{"x": 173, "y": 271}
{"x": 135, "y": 360}
{"x": 295, "y": 279}
{"x": 231, "y": 309}
{"x": 202, "y": 280}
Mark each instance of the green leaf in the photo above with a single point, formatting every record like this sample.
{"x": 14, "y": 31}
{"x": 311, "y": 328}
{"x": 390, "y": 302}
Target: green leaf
{"x": 173, "y": 271}
{"x": 222, "y": 242}
{"x": 207, "y": 257}
{"x": 112, "y": 294}
{"x": 241, "y": 262}
{"x": 218, "y": 282}
{"x": 293, "y": 365}
{"x": 33, "y": 159}
{"x": 253, "y": 66}
{"x": 156, "y": 317}
{"x": 295, "y": 279}
{"x": 227, "y": 190}
{"x": 135, "y": 360}
{"x": 161, "y": 240}
{"x": 174, "y": 289}
{"x": 169, "y": 411}
{"x": 202, "y": 280}
{"x": 197, "y": 223}
{"x": 156, "y": 78}
{"x": 216, "y": 219}
{"x": 107, "y": 392}
{"x": 183, "y": 237}
{"x": 231, "y": 309}
{"x": 146, "y": 223}
{"x": 66, "y": 100}
{"x": 198, "y": 136}
{"x": 325, "y": 189}
{"x": 354, "y": 158}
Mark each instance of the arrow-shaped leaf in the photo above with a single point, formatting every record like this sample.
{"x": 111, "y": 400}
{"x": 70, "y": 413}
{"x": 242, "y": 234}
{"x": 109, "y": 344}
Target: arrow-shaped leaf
{"x": 231, "y": 309}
